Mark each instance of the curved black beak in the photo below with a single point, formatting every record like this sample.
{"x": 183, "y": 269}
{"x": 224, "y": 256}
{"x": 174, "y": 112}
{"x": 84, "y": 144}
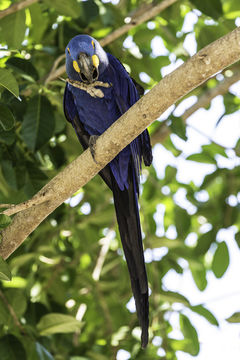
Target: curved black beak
{"x": 88, "y": 72}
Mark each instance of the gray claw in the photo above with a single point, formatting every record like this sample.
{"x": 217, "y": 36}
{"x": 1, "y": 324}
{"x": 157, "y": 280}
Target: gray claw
{"x": 92, "y": 146}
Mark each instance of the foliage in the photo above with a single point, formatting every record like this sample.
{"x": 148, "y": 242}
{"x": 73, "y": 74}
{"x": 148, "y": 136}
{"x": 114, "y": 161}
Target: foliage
{"x": 55, "y": 307}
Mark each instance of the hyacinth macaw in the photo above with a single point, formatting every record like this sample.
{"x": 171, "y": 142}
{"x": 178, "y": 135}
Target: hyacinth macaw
{"x": 89, "y": 66}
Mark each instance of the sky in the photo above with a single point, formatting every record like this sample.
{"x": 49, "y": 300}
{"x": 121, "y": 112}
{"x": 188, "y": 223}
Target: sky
{"x": 222, "y": 296}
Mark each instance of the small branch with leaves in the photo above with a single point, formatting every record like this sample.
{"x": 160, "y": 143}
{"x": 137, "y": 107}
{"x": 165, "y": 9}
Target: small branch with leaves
{"x": 163, "y": 131}
{"x": 16, "y": 7}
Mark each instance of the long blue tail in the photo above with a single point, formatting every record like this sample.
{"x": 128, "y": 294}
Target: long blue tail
{"x": 126, "y": 205}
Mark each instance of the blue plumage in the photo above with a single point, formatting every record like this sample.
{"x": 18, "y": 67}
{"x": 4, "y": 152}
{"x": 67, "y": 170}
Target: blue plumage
{"x": 87, "y": 63}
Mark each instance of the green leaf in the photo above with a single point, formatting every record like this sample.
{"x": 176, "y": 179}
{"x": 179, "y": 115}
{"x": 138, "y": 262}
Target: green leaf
{"x": 11, "y": 348}
{"x": 231, "y": 9}
{"x": 202, "y": 157}
{"x": 88, "y": 12}
{"x": 182, "y": 221}
{"x": 180, "y": 345}
{"x": 237, "y": 148}
{"x": 38, "y": 124}
{"x": 7, "y": 137}
{"x": 220, "y": 260}
{"x": 214, "y": 149}
{"x": 237, "y": 238}
{"x": 35, "y": 179}
{"x": 8, "y": 81}
{"x": 9, "y": 173}
{"x": 23, "y": 67}
{"x": 13, "y": 29}
{"x": 211, "y": 8}
{"x": 5, "y": 273}
{"x": 39, "y": 22}
{"x": 7, "y": 120}
{"x": 17, "y": 299}
{"x": 201, "y": 310}
{"x": 178, "y": 127}
{"x": 170, "y": 174}
{"x": 173, "y": 297}
{"x": 67, "y": 8}
{"x": 21, "y": 260}
{"x": 234, "y": 318}
{"x": 17, "y": 282}
{"x": 4, "y": 221}
{"x": 189, "y": 333}
{"x": 204, "y": 242}
{"x": 199, "y": 274}
{"x": 58, "y": 323}
{"x": 208, "y": 34}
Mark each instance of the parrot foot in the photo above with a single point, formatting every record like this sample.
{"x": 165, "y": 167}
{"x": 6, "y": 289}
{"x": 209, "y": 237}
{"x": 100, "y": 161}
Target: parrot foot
{"x": 92, "y": 146}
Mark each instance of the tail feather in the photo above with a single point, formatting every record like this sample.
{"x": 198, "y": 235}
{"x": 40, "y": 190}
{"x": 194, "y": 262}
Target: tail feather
{"x": 126, "y": 206}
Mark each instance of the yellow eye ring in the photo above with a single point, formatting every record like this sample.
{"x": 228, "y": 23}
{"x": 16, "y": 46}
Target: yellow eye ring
{"x": 76, "y": 67}
{"x": 93, "y": 45}
{"x": 68, "y": 51}
{"x": 95, "y": 60}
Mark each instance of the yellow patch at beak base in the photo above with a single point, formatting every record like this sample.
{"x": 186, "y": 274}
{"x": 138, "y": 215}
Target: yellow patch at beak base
{"x": 95, "y": 61}
{"x": 76, "y": 67}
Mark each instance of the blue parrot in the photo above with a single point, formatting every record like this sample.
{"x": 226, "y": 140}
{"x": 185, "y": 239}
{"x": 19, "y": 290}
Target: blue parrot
{"x": 98, "y": 91}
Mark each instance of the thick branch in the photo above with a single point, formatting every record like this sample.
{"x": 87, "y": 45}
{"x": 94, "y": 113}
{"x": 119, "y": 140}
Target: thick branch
{"x": 16, "y": 7}
{"x": 163, "y": 131}
{"x": 207, "y": 62}
{"x": 144, "y": 13}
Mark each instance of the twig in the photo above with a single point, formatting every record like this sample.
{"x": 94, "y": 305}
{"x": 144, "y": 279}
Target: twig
{"x": 140, "y": 17}
{"x": 6, "y": 205}
{"x": 39, "y": 198}
{"x": 54, "y": 67}
{"x": 163, "y": 131}
{"x": 12, "y": 312}
{"x": 207, "y": 62}
{"x": 205, "y": 99}
{"x": 16, "y": 7}
{"x": 102, "y": 256}
{"x": 144, "y": 13}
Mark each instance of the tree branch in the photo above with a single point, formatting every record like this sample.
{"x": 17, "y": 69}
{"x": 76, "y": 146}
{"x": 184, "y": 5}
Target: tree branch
{"x": 16, "y": 7}
{"x": 207, "y": 62}
{"x": 163, "y": 131}
{"x": 105, "y": 242}
{"x": 144, "y": 13}
{"x": 12, "y": 312}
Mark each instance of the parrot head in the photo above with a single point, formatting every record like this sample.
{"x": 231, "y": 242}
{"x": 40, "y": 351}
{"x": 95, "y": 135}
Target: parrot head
{"x": 85, "y": 59}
